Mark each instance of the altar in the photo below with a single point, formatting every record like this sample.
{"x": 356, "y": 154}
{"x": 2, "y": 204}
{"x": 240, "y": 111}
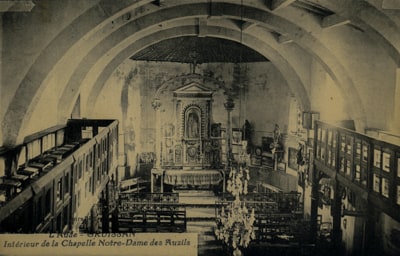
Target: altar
{"x": 189, "y": 143}
{"x": 195, "y": 178}
{"x": 191, "y": 178}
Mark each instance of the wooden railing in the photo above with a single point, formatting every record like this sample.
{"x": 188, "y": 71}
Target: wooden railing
{"x": 369, "y": 167}
{"x": 287, "y": 202}
{"x": 151, "y": 212}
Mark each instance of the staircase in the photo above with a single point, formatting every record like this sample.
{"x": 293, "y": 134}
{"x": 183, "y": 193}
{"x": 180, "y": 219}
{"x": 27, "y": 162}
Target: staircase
{"x": 207, "y": 243}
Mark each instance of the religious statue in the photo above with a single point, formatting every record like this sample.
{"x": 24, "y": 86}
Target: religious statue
{"x": 277, "y": 135}
{"x": 300, "y": 155}
{"x": 193, "y": 126}
{"x": 247, "y": 133}
{"x": 276, "y": 139}
{"x": 301, "y": 161}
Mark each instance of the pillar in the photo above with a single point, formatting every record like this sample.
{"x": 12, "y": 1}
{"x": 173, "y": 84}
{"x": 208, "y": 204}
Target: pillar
{"x": 370, "y": 243}
{"x": 152, "y": 181}
{"x": 336, "y": 212}
{"x": 157, "y": 167}
{"x": 314, "y": 203}
{"x": 229, "y": 106}
{"x": 105, "y": 222}
{"x": 162, "y": 183}
{"x": 156, "y": 106}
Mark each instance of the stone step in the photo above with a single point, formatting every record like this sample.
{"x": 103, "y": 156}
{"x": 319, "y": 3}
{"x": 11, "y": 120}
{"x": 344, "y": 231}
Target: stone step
{"x": 193, "y": 192}
{"x": 216, "y": 251}
{"x": 200, "y": 219}
{"x": 201, "y": 226}
{"x": 206, "y": 236}
{"x": 197, "y": 197}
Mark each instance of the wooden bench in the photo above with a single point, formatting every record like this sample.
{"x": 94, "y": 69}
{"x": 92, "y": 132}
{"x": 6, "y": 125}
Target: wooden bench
{"x": 153, "y": 221}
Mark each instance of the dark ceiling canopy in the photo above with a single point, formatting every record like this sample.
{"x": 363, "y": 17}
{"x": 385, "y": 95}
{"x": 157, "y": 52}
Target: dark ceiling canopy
{"x": 190, "y": 49}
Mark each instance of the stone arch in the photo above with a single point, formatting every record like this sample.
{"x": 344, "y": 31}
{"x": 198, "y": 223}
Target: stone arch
{"x": 289, "y": 72}
{"x": 307, "y": 41}
{"x": 17, "y": 116}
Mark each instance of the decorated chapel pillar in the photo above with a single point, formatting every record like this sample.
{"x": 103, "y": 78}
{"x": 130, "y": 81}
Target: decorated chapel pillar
{"x": 229, "y": 106}
{"x": 156, "y": 104}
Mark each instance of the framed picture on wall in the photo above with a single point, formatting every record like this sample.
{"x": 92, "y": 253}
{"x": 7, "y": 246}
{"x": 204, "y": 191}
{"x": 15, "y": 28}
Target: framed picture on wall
{"x": 292, "y": 158}
{"x": 236, "y": 136}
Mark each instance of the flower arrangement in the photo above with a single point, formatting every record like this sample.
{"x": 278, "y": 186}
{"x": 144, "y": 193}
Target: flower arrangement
{"x": 235, "y": 224}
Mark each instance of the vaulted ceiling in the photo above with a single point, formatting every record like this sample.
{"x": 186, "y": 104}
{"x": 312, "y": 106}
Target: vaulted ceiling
{"x": 79, "y": 44}
{"x": 188, "y": 49}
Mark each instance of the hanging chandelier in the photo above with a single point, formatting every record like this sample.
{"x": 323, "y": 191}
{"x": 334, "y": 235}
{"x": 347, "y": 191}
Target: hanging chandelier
{"x": 235, "y": 224}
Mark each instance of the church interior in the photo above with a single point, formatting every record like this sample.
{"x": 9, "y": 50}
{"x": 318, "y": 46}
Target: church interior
{"x": 263, "y": 126}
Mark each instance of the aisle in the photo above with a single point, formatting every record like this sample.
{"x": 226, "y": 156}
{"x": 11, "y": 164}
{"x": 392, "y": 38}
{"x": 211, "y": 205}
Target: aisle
{"x": 200, "y": 213}
{"x": 207, "y": 244}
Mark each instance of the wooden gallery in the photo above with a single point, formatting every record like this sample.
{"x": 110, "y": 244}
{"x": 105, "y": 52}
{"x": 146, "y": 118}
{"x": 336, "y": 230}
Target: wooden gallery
{"x": 265, "y": 127}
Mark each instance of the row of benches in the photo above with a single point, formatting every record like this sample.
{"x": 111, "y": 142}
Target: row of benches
{"x": 130, "y": 207}
{"x": 282, "y": 228}
{"x": 154, "y": 221}
{"x": 149, "y": 197}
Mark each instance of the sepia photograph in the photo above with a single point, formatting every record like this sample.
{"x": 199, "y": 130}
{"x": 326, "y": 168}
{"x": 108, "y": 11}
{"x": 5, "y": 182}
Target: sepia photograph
{"x": 200, "y": 127}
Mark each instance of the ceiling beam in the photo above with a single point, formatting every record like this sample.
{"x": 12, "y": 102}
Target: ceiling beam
{"x": 243, "y": 25}
{"x": 202, "y": 27}
{"x": 246, "y": 25}
{"x": 334, "y": 20}
{"x": 16, "y": 6}
{"x": 391, "y": 4}
{"x": 285, "y": 39}
{"x": 159, "y": 2}
{"x": 277, "y": 4}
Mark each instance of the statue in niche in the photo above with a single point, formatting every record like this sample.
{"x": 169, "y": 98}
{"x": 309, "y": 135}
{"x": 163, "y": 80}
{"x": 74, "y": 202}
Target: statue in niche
{"x": 247, "y": 133}
{"x": 193, "y": 125}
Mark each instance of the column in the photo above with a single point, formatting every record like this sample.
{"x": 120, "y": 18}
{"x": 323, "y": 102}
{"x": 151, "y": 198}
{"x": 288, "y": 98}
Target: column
{"x": 151, "y": 181}
{"x": 229, "y": 106}
{"x": 105, "y": 202}
{"x": 336, "y": 213}
{"x": 156, "y": 106}
{"x": 370, "y": 245}
{"x": 162, "y": 182}
{"x": 314, "y": 203}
